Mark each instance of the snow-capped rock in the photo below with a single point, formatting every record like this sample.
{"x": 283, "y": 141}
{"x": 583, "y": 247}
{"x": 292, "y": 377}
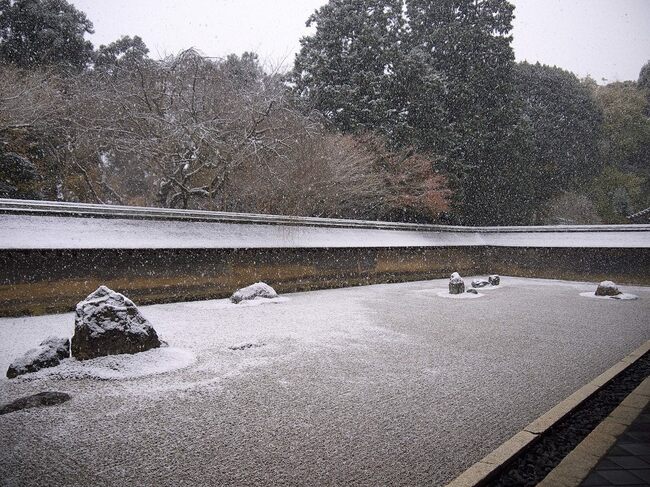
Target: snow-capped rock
{"x": 480, "y": 283}
{"x": 456, "y": 284}
{"x": 257, "y": 290}
{"x": 494, "y": 280}
{"x": 49, "y": 353}
{"x": 607, "y": 288}
{"x": 108, "y": 323}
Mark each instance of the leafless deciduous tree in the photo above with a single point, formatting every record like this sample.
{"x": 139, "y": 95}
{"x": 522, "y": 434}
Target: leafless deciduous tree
{"x": 191, "y": 132}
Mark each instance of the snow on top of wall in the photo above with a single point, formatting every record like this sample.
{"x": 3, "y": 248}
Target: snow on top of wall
{"x": 56, "y": 232}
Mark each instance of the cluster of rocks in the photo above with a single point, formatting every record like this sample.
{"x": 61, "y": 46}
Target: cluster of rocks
{"x": 108, "y": 323}
{"x": 457, "y": 285}
{"x": 492, "y": 280}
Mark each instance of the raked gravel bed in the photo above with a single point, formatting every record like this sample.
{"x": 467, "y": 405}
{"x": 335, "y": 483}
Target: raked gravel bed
{"x": 376, "y": 385}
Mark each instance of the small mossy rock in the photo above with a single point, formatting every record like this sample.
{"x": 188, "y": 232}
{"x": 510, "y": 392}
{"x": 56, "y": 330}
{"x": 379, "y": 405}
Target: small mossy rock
{"x": 472, "y": 291}
{"x": 607, "y": 288}
{"x": 36, "y": 400}
{"x": 49, "y": 353}
{"x": 257, "y": 290}
{"x": 456, "y": 284}
{"x": 494, "y": 280}
{"x": 480, "y": 283}
{"x": 108, "y": 323}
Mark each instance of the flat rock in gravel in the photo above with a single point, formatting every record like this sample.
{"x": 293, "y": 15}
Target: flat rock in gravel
{"x": 245, "y": 346}
{"x": 35, "y": 401}
{"x": 108, "y": 323}
{"x": 49, "y": 353}
{"x": 257, "y": 290}
{"x": 480, "y": 283}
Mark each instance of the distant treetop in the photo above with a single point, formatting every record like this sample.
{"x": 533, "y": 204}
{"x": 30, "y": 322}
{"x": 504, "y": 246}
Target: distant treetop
{"x": 44, "y": 32}
{"x": 644, "y": 77}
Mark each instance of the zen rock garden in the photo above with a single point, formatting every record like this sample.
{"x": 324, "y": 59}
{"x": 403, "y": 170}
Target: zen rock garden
{"x": 108, "y": 323}
{"x": 457, "y": 284}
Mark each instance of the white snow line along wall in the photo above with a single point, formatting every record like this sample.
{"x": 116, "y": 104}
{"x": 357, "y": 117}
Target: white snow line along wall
{"x": 55, "y": 225}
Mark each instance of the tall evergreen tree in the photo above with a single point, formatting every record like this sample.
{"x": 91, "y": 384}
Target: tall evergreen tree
{"x": 433, "y": 75}
{"x": 644, "y": 77}
{"x": 563, "y": 124}
{"x": 359, "y": 70}
{"x": 121, "y": 55}
{"x": 469, "y": 42}
{"x": 44, "y": 32}
{"x": 345, "y": 69}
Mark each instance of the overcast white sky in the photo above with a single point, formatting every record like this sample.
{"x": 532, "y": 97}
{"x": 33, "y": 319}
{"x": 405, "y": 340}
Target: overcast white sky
{"x": 607, "y": 39}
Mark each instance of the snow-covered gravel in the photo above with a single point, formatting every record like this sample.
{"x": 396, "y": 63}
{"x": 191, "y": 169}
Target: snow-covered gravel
{"x": 618, "y": 297}
{"x": 375, "y": 385}
{"x": 124, "y": 366}
{"x": 444, "y": 293}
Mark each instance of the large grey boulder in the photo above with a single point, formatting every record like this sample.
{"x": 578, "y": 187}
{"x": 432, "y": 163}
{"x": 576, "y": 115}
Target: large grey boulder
{"x": 257, "y": 290}
{"x": 456, "y": 284}
{"x": 494, "y": 280}
{"x": 49, "y": 353}
{"x": 108, "y": 323}
{"x": 607, "y": 288}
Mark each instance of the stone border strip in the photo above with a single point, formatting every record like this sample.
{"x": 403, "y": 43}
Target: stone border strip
{"x": 496, "y": 461}
{"x": 577, "y": 465}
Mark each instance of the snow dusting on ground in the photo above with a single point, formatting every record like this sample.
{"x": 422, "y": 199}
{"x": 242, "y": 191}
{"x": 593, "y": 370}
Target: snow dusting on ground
{"x": 443, "y": 293}
{"x": 124, "y": 366}
{"x": 374, "y": 385}
{"x": 217, "y": 304}
{"x": 618, "y": 297}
